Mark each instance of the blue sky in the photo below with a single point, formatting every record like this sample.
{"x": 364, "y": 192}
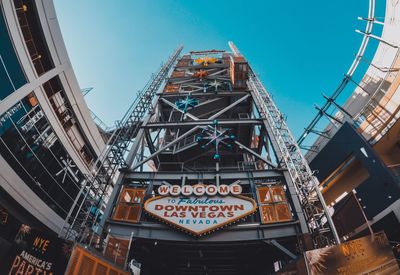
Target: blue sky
{"x": 299, "y": 48}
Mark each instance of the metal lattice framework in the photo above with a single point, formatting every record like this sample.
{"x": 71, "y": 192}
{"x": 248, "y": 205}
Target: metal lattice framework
{"x": 83, "y": 216}
{"x": 318, "y": 219}
{"x": 331, "y": 101}
{"x": 177, "y": 131}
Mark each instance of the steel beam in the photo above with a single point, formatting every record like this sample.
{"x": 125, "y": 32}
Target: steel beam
{"x": 201, "y": 94}
{"x": 242, "y": 232}
{"x": 241, "y": 146}
{"x": 165, "y": 147}
{"x": 281, "y": 248}
{"x": 202, "y": 122}
{"x": 227, "y": 175}
{"x": 227, "y": 108}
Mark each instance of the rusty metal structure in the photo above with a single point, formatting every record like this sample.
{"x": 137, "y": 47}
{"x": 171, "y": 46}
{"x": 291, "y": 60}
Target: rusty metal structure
{"x": 213, "y": 122}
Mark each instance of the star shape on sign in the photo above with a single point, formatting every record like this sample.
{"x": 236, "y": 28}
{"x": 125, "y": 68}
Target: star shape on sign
{"x": 213, "y": 135}
{"x": 186, "y": 103}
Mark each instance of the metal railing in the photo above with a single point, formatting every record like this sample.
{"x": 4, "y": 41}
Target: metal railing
{"x": 346, "y": 79}
{"x": 113, "y": 156}
{"x": 319, "y": 221}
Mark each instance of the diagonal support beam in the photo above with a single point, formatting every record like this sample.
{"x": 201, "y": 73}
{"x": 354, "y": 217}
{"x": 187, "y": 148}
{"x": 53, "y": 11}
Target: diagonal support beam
{"x": 312, "y": 148}
{"x": 227, "y": 108}
{"x": 166, "y": 147}
{"x": 176, "y": 108}
{"x": 241, "y": 146}
{"x": 149, "y": 141}
{"x": 208, "y": 101}
{"x": 324, "y": 134}
{"x": 332, "y": 100}
{"x": 281, "y": 248}
{"x": 323, "y": 112}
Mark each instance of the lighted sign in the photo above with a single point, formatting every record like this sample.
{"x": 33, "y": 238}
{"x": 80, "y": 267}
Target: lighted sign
{"x": 35, "y": 252}
{"x": 200, "y": 190}
{"x": 199, "y": 215}
{"x": 367, "y": 255}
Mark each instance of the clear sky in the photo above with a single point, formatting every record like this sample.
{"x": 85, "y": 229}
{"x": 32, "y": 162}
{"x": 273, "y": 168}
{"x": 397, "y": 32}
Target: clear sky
{"x": 299, "y": 48}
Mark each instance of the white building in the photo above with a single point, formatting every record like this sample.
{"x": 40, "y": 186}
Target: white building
{"x": 48, "y": 140}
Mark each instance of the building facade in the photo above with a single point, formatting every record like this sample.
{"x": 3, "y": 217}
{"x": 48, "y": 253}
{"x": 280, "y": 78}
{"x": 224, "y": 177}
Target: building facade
{"x": 48, "y": 140}
{"x": 356, "y": 155}
{"x": 213, "y": 182}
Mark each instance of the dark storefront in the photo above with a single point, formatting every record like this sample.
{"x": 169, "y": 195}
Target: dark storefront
{"x": 28, "y": 250}
{"x": 373, "y": 195}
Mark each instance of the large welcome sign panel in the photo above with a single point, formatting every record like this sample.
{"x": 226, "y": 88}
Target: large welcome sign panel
{"x": 200, "y": 214}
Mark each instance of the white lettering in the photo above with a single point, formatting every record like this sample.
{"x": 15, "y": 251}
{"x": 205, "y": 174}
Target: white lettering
{"x": 200, "y": 190}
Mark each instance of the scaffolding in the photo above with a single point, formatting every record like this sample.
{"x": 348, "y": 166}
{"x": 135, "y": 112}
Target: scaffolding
{"x": 84, "y": 215}
{"x": 120, "y": 153}
{"x": 319, "y": 221}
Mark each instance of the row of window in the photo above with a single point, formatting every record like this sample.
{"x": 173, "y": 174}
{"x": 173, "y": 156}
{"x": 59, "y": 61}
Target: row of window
{"x": 65, "y": 114}
{"x": 32, "y": 32}
{"x": 12, "y": 76}
{"x": 130, "y": 205}
{"x": 40, "y": 55}
{"x": 273, "y": 206}
{"x": 30, "y": 146}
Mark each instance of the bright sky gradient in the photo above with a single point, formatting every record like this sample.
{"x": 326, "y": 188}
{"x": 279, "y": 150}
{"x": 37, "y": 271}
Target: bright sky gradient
{"x": 299, "y": 48}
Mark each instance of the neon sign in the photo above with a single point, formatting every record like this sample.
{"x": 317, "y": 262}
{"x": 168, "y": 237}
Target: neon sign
{"x": 200, "y": 209}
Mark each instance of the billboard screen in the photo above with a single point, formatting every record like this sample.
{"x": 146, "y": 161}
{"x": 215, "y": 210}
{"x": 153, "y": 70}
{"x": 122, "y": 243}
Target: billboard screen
{"x": 366, "y": 255}
{"x": 35, "y": 252}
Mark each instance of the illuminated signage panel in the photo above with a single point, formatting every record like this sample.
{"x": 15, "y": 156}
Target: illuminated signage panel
{"x": 366, "y": 255}
{"x": 200, "y": 215}
{"x": 35, "y": 252}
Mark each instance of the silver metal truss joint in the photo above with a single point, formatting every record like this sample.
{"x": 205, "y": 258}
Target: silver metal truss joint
{"x": 291, "y": 158}
{"x": 114, "y": 154}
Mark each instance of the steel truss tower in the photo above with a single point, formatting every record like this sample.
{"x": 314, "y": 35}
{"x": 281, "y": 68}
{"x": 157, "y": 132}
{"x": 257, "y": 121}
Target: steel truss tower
{"x": 214, "y": 122}
{"x": 84, "y": 216}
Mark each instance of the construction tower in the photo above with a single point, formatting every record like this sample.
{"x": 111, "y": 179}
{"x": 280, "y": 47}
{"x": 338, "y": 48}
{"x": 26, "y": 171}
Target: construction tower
{"x": 213, "y": 182}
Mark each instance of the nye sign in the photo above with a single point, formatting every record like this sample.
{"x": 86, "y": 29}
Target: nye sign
{"x": 199, "y": 215}
{"x": 366, "y": 255}
{"x": 35, "y": 252}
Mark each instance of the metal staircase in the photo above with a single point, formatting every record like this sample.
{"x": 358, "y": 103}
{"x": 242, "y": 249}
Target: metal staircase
{"x": 84, "y": 214}
{"x": 319, "y": 221}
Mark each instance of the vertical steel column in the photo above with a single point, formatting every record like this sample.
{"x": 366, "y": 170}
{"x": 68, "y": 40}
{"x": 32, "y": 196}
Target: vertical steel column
{"x": 289, "y": 154}
{"x": 113, "y": 155}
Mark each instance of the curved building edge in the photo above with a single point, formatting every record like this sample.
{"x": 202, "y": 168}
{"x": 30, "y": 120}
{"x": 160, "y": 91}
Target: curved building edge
{"x": 356, "y": 156}
{"x": 49, "y": 141}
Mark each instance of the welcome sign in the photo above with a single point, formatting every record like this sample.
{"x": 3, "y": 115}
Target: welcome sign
{"x": 200, "y": 214}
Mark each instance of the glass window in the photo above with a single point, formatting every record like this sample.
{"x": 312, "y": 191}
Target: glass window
{"x": 278, "y": 193}
{"x": 129, "y": 207}
{"x": 33, "y": 35}
{"x": 65, "y": 114}
{"x": 30, "y": 146}
{"x": 268, "y": 214}
{"x": 264, "y": 195}
{"x": 283, "y": 212}
{"x": 273, "y": 205}
{"x": 12, "y": 76}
